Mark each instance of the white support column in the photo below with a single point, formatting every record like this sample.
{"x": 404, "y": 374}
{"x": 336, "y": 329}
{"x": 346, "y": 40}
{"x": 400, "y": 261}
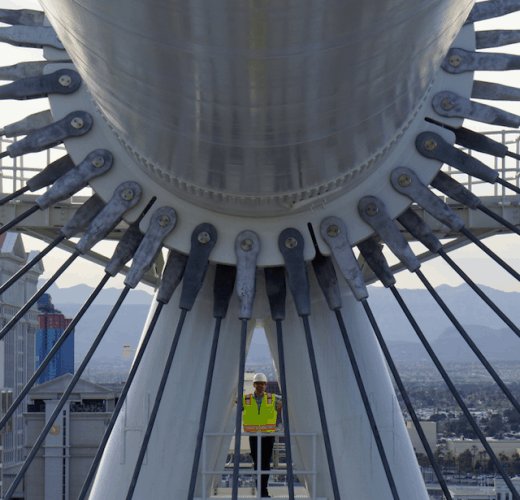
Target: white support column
{"x": 166, "y": 472}
{"x": 358, "y": 465}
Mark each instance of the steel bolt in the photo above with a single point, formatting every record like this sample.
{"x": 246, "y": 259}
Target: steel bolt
{"x": 371, "y": 209}
{"x": 77, "y": 123}
{"x": 455, "y": 60}
{"x": 203, "y": 237}
{"x": 164, "y": 220}
{"x": 404, "y": 180}
{"x": 291, "y": 243}
{"x": 127, "y": 195}
{"x": 246, "y": 245}
{"x": 430, "y": 144}
{"x": 333, "y": 230}
{"x": 447, "y": 104}
{"x": 65, "y": 80}
{"x": 98, "y": 161}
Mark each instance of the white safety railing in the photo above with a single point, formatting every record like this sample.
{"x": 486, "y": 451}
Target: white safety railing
{"x": 205, "y": 472}
{"x": 14, "y": 172}
{"x": 508, "y": 167}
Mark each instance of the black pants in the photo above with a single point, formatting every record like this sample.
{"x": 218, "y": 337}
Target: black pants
{"x": 267, "y": 443}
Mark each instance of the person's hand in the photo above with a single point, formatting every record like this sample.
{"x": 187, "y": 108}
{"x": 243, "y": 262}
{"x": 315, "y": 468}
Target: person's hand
{"x": 279, "y": 406}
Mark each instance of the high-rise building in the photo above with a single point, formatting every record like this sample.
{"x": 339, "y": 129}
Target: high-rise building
{"x": 51, "y": 325}
{"x": 17, "y": 348}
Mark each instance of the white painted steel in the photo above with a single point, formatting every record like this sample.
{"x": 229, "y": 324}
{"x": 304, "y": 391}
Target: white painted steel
{"x": 167, "y": 466}
{"x": 271, "y": 102}
{"x": 360, "y": 471}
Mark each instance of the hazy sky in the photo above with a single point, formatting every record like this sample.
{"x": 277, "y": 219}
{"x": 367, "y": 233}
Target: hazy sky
{"x": 482, "y": 269}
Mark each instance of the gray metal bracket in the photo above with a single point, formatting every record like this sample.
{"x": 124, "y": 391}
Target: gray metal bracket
{"x": 35, "y": 37}
{"x": 406, "y": 181}
{"x": 433, "y": 146}
{"x": 420, "y": 230}
{"x": 451, "y": 188}
{"x": 496, "y": 38}
{"x": 460, "y": 61}
{"x": 203, "y": 240}
{"x": 494, "y": 91}
{"x": 126, "y": 196}
{"x": 22, "y": 70}
{"x": 28, "y": 124}
{"x": 95, "y": 164}
{"x": 291, "y": 245}
{"x": 247, "y": 247}
{"x": 62, "y": 81}
{"x": 451, "y": 105}
{"x": 25, "y": 17}
{"x": 492, "y": 9}
{"x": 334, "y": 231}
{"x": 73, "y": 125}
{"x": 162, "y": 223}
{"x": 373, "y": 211}
{"x": 172, "y": 276}
{"x": 373, "y": 255}
{"x": 84, "y": 216}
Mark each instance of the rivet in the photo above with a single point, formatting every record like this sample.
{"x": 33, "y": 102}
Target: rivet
{"x": 333, "y": 230}
{"x": 65, "y": 80}
{"x": 164, "y": 220}
{"x": 246, "y": 245}
{"x": 98, "y": 161}
{"x": 127, "y": 195}
{"x": 455, "y": 60}
{"x": 404, "y": 180}
{"x": 447, "y": 104}
{"x": 371, "y": 209}
{"x": 203, "y": 237}
{"x": 77, "y": 123}
{"x": 430, "y": 144}
{"x": 291, "y": 243}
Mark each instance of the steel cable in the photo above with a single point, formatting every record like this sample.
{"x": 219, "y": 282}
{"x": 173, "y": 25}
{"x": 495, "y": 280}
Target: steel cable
{"x": 18, "y": 219}
{"x": 122, "y": 398}
{"x": 366, "y": 403}
{"x": 240, "y": 406}
{"x": 65, "y": 396}
{"x": 38, "y": 294}
{"x": 493, "y": 255}
{"x": 407, "y": 401}
{"x": 53, "y": 351}
{"x": 157, "y": 402}
{"x": 502, "y": 221}
{"x": 479, "y": 292}
{"x": 11, "y": 281}
{"x": 455, "y": 393}
{"x": 321, "y": 408}
{"x": 468, "y": 340}
{"x": 285, "y": 410}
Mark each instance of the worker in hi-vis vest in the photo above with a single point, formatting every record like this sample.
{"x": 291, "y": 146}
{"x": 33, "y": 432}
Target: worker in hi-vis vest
{"x": 260, "y": 410}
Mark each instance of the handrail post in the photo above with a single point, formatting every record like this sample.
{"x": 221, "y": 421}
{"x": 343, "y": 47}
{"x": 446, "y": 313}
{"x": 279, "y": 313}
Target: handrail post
{"x": 204, "y": 467}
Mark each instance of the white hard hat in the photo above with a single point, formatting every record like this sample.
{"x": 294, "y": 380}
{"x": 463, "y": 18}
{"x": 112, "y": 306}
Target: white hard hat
{"x": 259, "y": 377}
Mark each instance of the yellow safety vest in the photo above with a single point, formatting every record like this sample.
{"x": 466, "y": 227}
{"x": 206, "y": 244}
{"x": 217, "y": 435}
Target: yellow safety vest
{"x": 264, "y": 421}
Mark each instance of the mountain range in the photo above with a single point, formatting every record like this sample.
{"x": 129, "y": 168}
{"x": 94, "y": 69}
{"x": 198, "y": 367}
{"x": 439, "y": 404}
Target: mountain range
{"x": 487, "y": 330}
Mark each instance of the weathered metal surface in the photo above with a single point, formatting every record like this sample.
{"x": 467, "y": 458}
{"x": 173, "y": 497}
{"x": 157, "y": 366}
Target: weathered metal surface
{"x": 258, "y": 98}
